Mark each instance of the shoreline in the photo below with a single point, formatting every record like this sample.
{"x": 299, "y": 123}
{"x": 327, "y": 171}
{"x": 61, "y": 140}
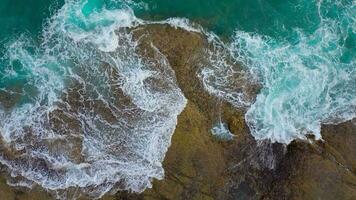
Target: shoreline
{"x": 199, "y": 166}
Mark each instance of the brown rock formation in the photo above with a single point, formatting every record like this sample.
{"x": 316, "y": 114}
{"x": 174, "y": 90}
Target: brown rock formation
{"x": 199, "y": 166}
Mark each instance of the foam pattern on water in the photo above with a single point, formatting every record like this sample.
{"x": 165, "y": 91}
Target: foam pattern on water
{"x": 84, "y": 111}
{"x": 306, "y": 82}
{"x": 224, "y": 76}
{"x": 87, "y": 112}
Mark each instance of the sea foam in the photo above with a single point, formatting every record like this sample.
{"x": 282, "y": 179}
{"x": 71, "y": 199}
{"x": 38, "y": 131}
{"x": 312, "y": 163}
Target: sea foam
{"x": 87, "y": 112}
{"x": 90, "y": 113}
{"x": 305, "y": 82}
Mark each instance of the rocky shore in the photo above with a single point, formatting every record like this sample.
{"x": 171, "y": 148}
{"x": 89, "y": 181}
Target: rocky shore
{"x": 200, "y": 166}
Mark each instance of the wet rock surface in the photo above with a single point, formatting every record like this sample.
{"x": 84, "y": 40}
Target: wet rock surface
{"x": 199, "y": 166}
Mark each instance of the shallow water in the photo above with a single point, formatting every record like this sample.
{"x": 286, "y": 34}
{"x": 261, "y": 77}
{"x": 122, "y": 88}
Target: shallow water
{"x": 89, "y": 112}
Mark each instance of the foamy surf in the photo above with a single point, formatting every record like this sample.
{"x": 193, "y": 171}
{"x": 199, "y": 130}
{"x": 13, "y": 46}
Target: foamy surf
{"x": 91, "y": 115}
{"x": 83, "y": 111}
{"x": 306, "y": 82}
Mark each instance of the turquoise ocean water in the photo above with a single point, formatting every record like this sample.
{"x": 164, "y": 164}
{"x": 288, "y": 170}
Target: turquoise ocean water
{"x": 302, "y": 53}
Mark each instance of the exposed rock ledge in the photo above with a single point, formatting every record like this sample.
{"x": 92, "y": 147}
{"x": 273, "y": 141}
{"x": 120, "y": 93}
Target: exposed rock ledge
{"x": 198, "y": 166}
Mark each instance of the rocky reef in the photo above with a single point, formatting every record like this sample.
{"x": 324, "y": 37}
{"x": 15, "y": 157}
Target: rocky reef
{"x": 201, "y": 166}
